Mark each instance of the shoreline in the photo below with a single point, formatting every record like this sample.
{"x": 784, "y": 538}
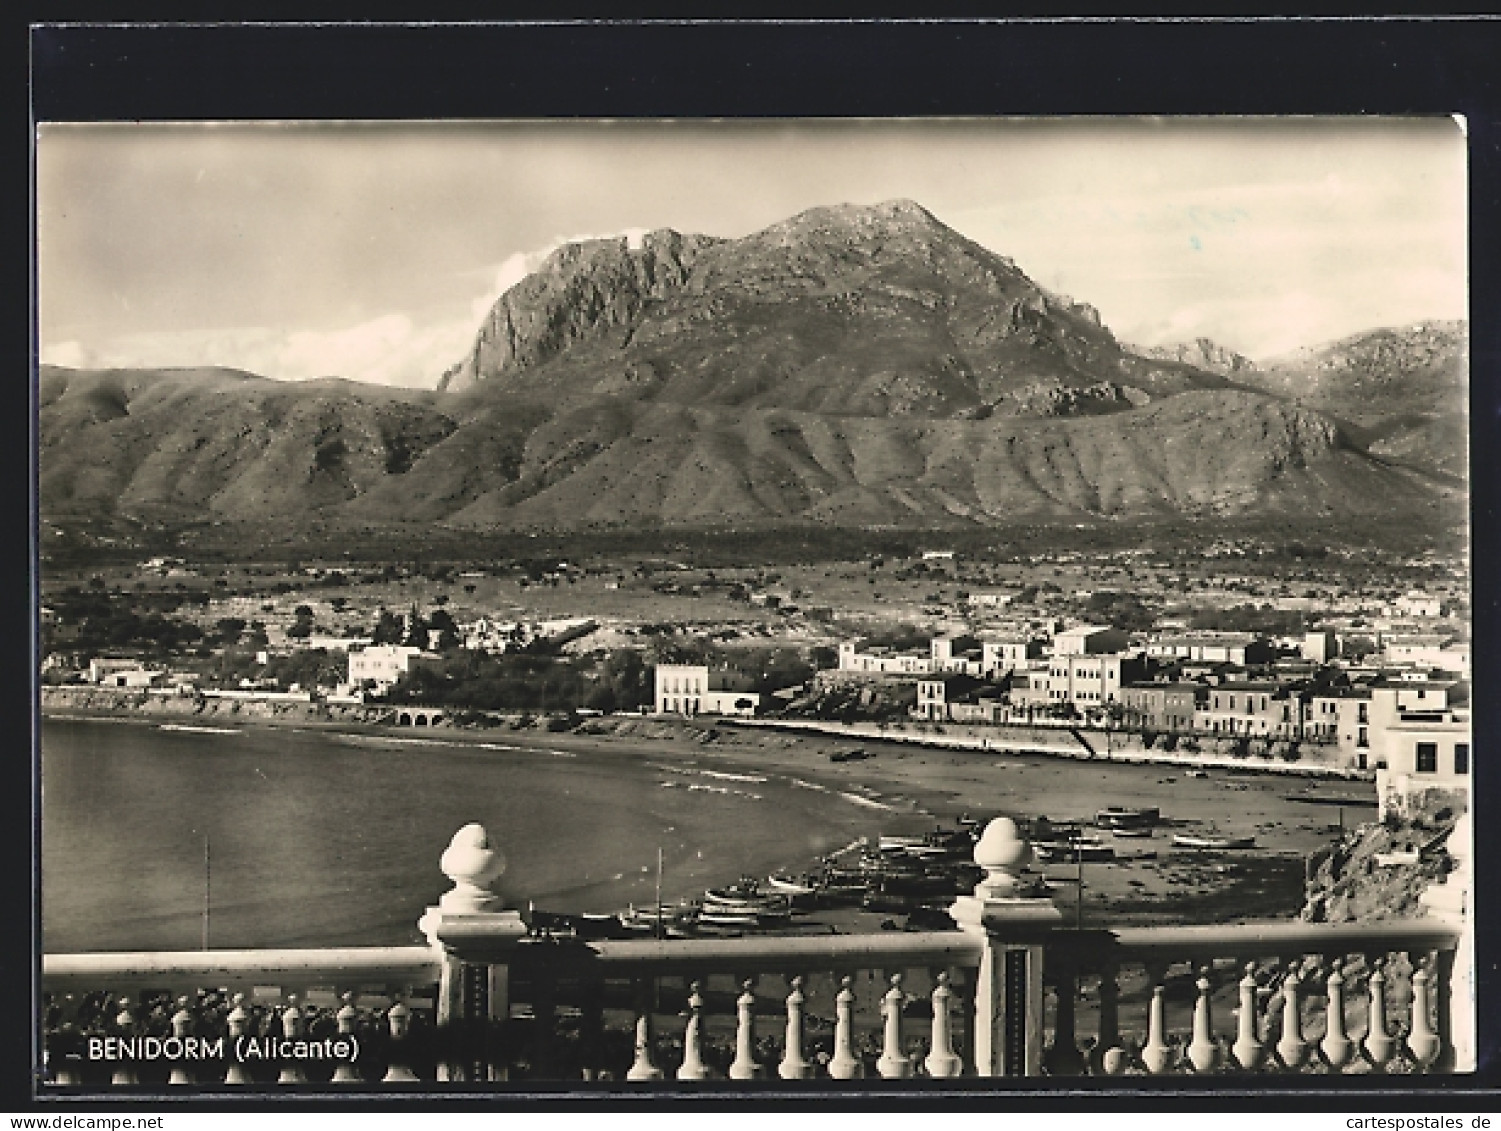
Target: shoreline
{"x": 908, "y": 787}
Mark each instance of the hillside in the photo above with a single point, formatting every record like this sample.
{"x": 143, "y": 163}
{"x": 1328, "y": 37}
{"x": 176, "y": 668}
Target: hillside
{"x": 1404, "y": 390}
{"x": 850, "y": 366}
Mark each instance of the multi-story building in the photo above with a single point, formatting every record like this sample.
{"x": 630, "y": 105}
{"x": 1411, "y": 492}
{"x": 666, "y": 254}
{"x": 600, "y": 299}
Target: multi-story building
{"x": 1000, "y": 655}
{"x": 1162, "y": 706}
{"x": 1319, "y": 646}
{"x": 1089, "y": 640}
{"x": 940, "y": 696}
{"x": 1422, "y": 754}
{"x": 1091, "y": 680}
{"x": 1237, "y": 648}
{"x": 381, "y": 665}
{"x": 692, "y": 689}
{"x": 1256, "y": 708}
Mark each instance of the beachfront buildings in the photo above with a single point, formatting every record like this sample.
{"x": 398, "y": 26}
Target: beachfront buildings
{"x": 1162, "y": 706}
{"x": 692, "y": 689}
{"x": 1089, "y": 681}
{"x": 1254, "y": 708}
{"x": 1424, "y": 757}
{"x": 381, "y": 665}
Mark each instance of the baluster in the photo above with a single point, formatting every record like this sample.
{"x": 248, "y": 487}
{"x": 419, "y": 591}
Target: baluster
{"x": 237, "y": 1019}
{"x": 1292, "y": 1048}
{"x": 1203, "y": 1051}
{"x": 1422, "y": 1041}
{"x": 1379, "y": 1045}
{"x": 291, "y": 1029}
{"x": 1336, "y": 1046}
{"x": 642, "y": 1068}
{"x": 845, "y": 1065}
{"x": 941, "y": 1061}
{"x": 693, "y": 1066}
{"x": 398, "y": 1059}
{"x": 1064, "y": 1058}
{"x": 344, "y": 1071}
{"x": 125, "y": 1024}
{"x": 63, "y": 1059}
{"x": 744, "y": 1066}
{"x": 1156, "y": 1054}
{"x": 893, "y": 1063}
{"x": 1248, "y": 1049}
{"x": 794, "y": 1065}
{"x": 1109, "y": 1058}
{"x": 182, "y": 1028}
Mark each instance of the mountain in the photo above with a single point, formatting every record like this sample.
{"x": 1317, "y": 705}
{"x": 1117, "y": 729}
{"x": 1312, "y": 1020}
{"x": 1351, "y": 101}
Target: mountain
{"x": 849, "y": 366}
{"x": 865, "y": 311}
{"x": 1201, "y": 353}
{"x": 1402, "y": 391}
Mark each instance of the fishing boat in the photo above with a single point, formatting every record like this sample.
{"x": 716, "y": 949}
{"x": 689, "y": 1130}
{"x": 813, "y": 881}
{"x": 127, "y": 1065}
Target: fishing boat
{"x": 1212, "y": 841}
{"x": 1131, "y": 830}
{"x": 1086, "y": 849}
{"x": 786, "y": 885}
{"x": 1116, "y": 816}
{"x": 1196, "y": 773}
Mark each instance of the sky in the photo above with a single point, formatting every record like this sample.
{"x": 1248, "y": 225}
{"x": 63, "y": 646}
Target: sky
{"x": 372, "y": 251}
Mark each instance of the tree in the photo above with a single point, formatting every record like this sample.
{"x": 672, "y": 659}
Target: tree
{"x": 388, "y": 629}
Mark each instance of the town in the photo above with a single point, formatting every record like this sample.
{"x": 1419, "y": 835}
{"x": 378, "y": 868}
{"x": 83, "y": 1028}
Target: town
{"x": 1252, "y": 653}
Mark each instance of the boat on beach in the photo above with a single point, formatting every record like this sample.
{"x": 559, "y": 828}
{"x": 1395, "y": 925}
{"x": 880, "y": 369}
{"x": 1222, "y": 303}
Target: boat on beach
{"x": 787, "y": 885}
{"x": 1212, "y": 841}
{"x": 1116, "y": 816}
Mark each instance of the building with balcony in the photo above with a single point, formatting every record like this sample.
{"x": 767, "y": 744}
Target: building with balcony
{"x": 692, "y": 689}
{"x": 1162, "y": 706}
{"x": 1089, "y": 681}
{"x": 1256, "y": 709}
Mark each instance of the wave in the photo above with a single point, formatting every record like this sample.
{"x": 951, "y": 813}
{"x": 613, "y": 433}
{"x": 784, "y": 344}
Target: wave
{"x": 198, "y": 729}
{"x": 809, "y": 785}
{"x": 867, "y": 802}
{"x": 731, "y": 777}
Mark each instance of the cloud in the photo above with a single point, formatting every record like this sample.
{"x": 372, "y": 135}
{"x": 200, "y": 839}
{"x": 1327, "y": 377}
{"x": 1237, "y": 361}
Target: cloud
{"x": 521, "y": 264}
{"x": 392, "y": 349}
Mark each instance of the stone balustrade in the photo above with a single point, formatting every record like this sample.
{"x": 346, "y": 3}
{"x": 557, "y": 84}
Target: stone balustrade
{"x": 1010, "y": 993}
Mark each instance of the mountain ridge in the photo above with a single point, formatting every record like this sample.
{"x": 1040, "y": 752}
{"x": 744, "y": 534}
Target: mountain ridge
{"x": 852, "y": 365}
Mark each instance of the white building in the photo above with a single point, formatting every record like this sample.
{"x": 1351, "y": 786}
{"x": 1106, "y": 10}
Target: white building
{"x": 1422, "y": 754}
{"x": 690, "y": 689}
{"x": 381, "y": 664}
{"x": 883, "y": 661}
{"x": 1089, "y": 640}
{"x": 1417, "y": 604}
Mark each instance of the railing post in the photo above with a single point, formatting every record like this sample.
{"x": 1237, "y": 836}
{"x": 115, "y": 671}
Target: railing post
{"x": 1203, "y": 1052}
{"x": 475, "y": 934}
{"x": 125, "y": 1026}
{"x": 894, "y": 1062}
{"x": 1451, "y": 902}
{"x": 182, "y": 1027}
{"x": 1248, "y": 1049}
{"x": 291, "y": 1030}
{"x": 744, "y": 1066}
{"x": 941, "y": 1061}
{"x": 693, "y": 1066}
{"x": 1008, "y": 994}
{"x": 345, "y": 1071}
{"x": 1336, "y": 1045}
{"x": 794, "y": 1065}
{"x": 845, "y": 1065}
{"x": 236, "y": 1021}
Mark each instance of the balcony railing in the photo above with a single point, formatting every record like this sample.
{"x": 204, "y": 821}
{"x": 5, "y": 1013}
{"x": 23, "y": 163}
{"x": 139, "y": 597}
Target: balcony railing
{"x": 1010, "y": 992}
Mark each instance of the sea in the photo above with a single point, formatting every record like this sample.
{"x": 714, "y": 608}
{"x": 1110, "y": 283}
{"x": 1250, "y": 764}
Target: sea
{"x": 154, "y": 834}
